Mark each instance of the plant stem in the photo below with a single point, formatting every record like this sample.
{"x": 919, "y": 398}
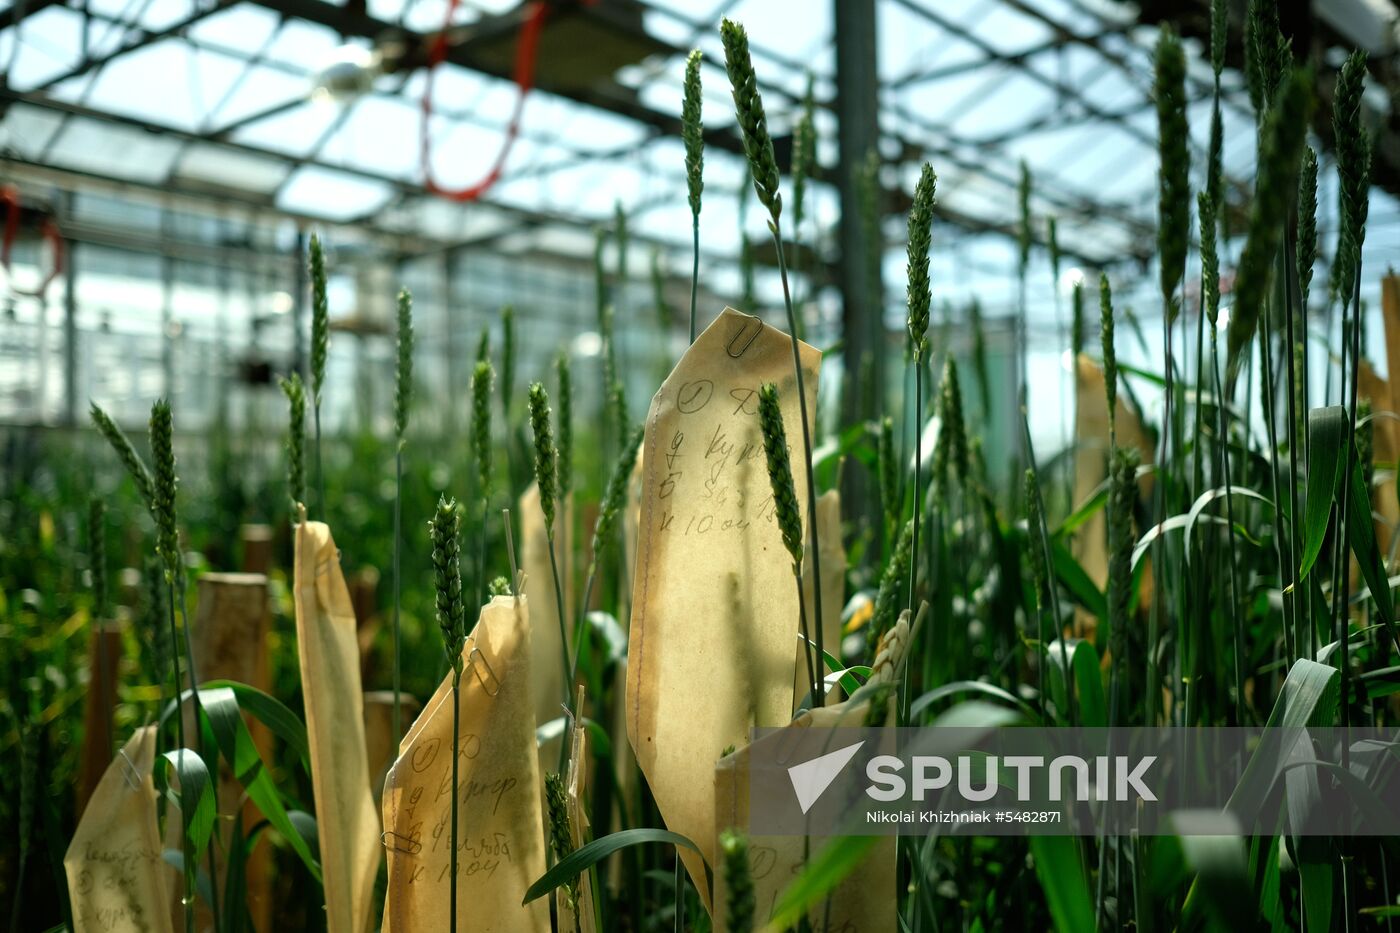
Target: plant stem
{"x": 1222, "y": 417}
{"x": 776, "y": 230}
{"x": 813, "y": 669}
{"x": 1343, "y": 648}
{"x": 694, "y": 270}
{"x": 188, "y": 847}
{"x": 398, "y": 633}
{"x": 320, "y": 473}
{"x": 918, "y": 432}
{"x": 1270, "y": 430}
{"x": 567, "y": 667}
{"x": 179, "y": 587}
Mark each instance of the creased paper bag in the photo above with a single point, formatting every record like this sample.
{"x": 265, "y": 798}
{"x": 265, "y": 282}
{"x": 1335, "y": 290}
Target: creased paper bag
{"x": 330, "y": 681}
{"x": 865, "y": 902}
{"x": 500, "y": 825}
{"x": 714, "y": 615}
{"x": 833, "y": 591}
{"x": 116, "y": 877}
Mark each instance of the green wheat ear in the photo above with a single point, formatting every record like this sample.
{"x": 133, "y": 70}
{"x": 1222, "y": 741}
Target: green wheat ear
{"x": 1122, "y": 497}
{"x": 1173, "y": 185}
{"x": 560, "y": 831}
{"x": 545, "y": 454}
{"x": 1210, "y": 257}
{"x": 135, "y": 467}
{"x": 320, "y": 318}
{"x": 565, "y": 446}
{"x": 738, "y": 881}
{"x": 1307, "y": 223}
{"x": 620, "y": 232}
{"x": 444, "y": 531}
{"x": 953, "y": 427}
{"x": 1266, "y": 54}
{"x": 482, "y": 378}
{"x": 748, "y": 109}
{"x": 1219, "y": 35}
{"x": 507, "y": 356}
{"x": 616, "y": 493}
{"x": 499, "y": 586}
{"x": 296, "y": 440}
{"x": 693, "y": 132}
{"x": 770, "y": 421}
{"x": 804, "y": 153}
{"x": 1039, "y": 572}
{"x": 1110, "y": 353}
{"x": 888, "y": 465}
{"x": 918, "y": 292}
{"x": 1353, "y": 171}
{"x": 1281, "y": 149}
{"x": 164, "y": 488}
{"x": 894, "y": 587}
{"x": 403, "y": 371}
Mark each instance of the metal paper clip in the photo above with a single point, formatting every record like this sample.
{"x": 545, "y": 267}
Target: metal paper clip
{"x": 744, "y": 336}
{"x": 401, "y": 843}
{"x": 131, "y": 773}
{"x": 492, "y": 687}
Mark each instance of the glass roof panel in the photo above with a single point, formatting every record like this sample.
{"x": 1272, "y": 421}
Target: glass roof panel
{"x": 259, "y": 90}
{"x": 50, "y": 43}
{"x": 331, "y": 194}
{"x": 169, "y": 83}
{"x": 111, "y": 150}
{"x": 227, "y": 168}
{"x": 27, "y": 130}
{"x": 293, "y": 131}
{"x": 244, "y": 27}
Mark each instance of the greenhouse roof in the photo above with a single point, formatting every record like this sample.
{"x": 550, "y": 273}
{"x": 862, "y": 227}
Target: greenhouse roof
{"x": 220, "y": 101}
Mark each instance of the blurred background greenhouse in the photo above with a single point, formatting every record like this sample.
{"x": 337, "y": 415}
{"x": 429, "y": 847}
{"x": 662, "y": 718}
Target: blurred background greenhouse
{"x": 520, "y": 168}
{"x": 185, "y": 150}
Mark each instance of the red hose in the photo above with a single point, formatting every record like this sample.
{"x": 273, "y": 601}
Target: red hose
{"x": 526, "y": 51}
{"x": 48, "y": 230}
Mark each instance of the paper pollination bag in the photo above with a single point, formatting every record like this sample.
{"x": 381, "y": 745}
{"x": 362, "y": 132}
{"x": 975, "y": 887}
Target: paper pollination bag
{"x": 500, "y": 825}
{"x": 865, "y": 902}
{"x": 116, "y": 875}
{"x": 346, "y": 821}
{"x": 714, "y": 607}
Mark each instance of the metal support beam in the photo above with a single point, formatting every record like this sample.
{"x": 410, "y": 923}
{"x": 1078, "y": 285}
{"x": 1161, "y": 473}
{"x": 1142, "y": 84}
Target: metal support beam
{"x": 70, "y": 319}
{"x": 857, "y": 89}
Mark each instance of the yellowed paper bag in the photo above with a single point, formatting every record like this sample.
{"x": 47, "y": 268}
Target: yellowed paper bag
{"x": 865, "y": 902}
{"x": 330, "y": 681}
{"x": 714, "y": 608}
{"x": 501, "y": 829}
{"x": 116, "y": 877}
